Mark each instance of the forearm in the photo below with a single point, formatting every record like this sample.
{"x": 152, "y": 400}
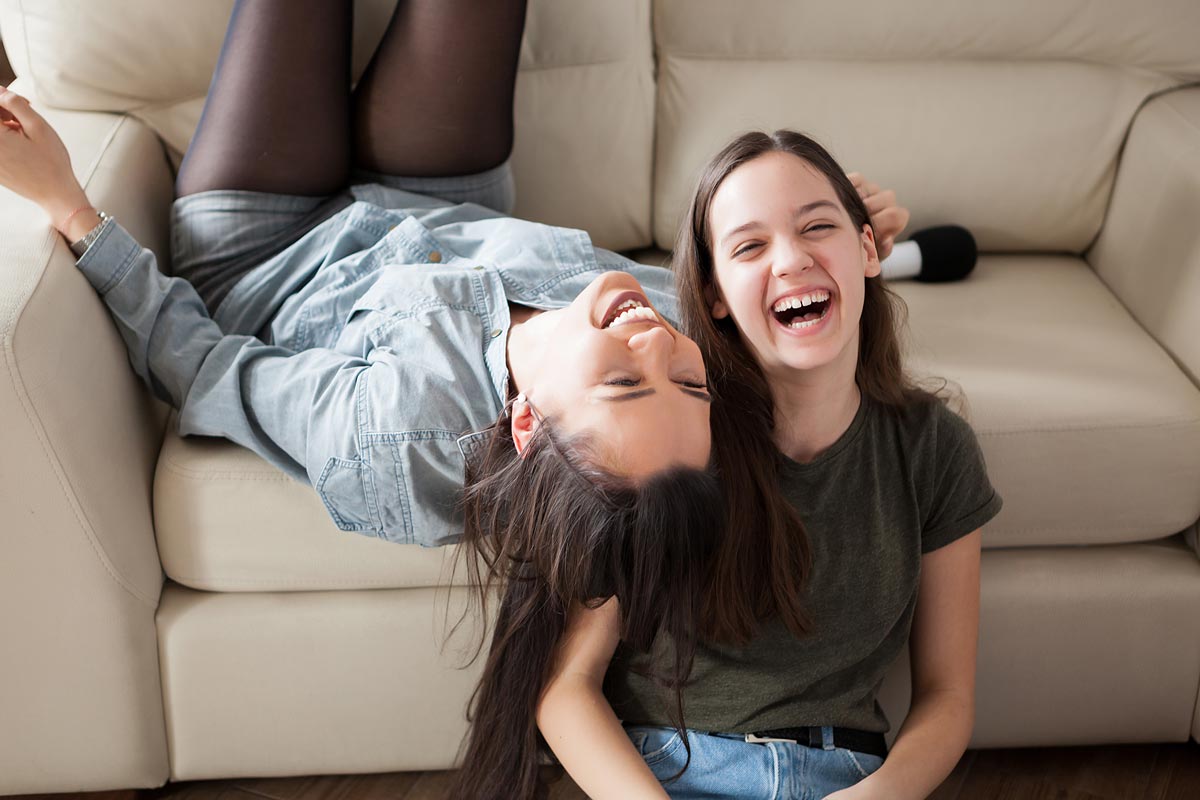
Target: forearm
{"x": 586, "y": 736}
{"x": 930, "y": 743}
{"x": 258, "y": 395}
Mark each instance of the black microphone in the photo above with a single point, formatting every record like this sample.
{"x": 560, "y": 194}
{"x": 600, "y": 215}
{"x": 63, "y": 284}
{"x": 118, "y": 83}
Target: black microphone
{"x": 934, "y": 255}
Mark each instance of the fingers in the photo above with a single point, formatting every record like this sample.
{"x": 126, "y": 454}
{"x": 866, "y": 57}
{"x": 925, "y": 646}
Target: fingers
{"x": 8, "y": 120}
{"x": 888, "y": 224}
{"x": 890, "y": 221}
{"x": 10, "y": 100}
{"x": 17, "y": 108}
{"x": 878, "y": 201}
{"x": 883, "y": 247}
{"x": 865, "y": 187}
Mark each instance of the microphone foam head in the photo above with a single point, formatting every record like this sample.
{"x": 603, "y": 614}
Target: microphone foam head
{"x": 948, "y": 253}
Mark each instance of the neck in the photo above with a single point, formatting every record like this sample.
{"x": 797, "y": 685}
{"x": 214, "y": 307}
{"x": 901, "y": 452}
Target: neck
{"x": 517, "y": 317}
{"x": 813, "y": 408}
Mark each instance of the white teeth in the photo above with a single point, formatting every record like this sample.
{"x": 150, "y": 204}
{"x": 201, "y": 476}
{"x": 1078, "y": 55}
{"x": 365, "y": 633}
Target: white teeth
{"x": 800, "y": 301}
{"x": 633, "y": 314}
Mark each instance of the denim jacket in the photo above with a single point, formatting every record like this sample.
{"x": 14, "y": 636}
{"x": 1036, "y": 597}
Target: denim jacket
{"x": 373, "y": 377}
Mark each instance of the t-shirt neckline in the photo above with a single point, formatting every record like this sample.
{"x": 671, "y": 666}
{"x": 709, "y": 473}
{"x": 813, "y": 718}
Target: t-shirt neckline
{"x": 845, "y": 440}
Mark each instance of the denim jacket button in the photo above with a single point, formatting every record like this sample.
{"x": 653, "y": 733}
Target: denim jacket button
{"x": 435, "y": 257}
{"x": 496, "y": 332}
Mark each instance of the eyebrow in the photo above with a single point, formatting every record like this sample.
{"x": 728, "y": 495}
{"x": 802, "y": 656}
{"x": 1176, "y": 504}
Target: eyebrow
{"x": 800, "y": 212}
{"x": 640, "y": 393}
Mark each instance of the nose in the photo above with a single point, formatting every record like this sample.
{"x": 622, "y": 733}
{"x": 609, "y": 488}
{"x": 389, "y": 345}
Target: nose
{"x": 791, "y": 257}
{"x": 655, "y": 346}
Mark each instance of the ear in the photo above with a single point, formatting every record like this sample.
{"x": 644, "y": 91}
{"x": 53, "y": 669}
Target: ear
{"x": 873, "y": 267}
{"x": 717, "y": 306}
{"x": 524, "y": 423}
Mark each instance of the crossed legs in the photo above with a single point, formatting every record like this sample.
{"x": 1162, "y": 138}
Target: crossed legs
{"x": 280, "y": 116}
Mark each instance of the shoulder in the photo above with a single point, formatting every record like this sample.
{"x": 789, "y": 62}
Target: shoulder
{"x": 937, "y": 448}
{"x": 949, "y": 472}
{"x": 928, "y": 424}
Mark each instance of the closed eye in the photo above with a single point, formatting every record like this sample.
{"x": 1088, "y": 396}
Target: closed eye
{"x": 623, "y": 382}
{"x": 822, "y": 227}
{"x": 746, "y": 249}
{"x": 696, "y": 389}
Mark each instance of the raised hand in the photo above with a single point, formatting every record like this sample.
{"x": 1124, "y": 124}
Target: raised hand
{"x": 887, "y": 217}
{"x": 34, "y": 162}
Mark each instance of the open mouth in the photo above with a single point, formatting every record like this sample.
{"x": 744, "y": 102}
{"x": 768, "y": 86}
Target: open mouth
{"x": 629, "y": 307}
{"x": 802, "y": 310}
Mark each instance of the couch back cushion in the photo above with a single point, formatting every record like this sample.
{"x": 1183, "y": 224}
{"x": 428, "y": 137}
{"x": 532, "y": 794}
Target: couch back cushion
{"x": 584, "y": 107}
{"x": 1004, "y": 117}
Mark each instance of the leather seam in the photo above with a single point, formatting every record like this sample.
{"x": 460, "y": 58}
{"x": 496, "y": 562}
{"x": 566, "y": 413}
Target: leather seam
{"x": 24, "y": 17}
{"x": 1177, "y": 111}
{"x": 1180, "y": 422}
{"x": 209, "y": 584}
{"x": 209, "y": 475}
{"x": 38, "y": 429}
{"x": 994, "y": 531}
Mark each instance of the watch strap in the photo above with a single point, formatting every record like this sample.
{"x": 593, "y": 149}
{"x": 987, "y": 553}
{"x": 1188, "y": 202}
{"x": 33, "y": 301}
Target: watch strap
{"x": 80, "y": 247}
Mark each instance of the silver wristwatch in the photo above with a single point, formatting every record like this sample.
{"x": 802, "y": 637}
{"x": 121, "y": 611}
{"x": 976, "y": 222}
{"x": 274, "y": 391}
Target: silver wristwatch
{"x": 81, "y": 247}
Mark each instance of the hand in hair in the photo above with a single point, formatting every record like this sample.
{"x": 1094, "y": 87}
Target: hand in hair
{"x": 887, "y": 217}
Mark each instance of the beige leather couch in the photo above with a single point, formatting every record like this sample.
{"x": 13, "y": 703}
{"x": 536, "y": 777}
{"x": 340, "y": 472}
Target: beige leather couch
{"x": 177, "y": 609}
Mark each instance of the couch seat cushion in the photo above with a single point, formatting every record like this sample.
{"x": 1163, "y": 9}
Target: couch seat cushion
{"x": 228, "y": 521}
{"x": 1090, "y": 430}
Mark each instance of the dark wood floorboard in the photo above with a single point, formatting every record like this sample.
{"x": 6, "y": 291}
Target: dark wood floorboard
{"x": 951, "y": 788}
{"x": 1128, "y": 772}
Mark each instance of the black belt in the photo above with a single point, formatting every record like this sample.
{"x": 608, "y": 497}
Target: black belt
{"x": 872, "y": 744}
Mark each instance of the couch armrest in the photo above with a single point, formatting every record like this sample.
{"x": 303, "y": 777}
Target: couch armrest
{"x": 1148, "y": 251}
{"x": 79, "y": 571}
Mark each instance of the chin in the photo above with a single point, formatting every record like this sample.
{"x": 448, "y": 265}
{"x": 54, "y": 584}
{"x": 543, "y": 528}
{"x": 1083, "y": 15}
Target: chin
{"x": 803, "y": 362}
{"x": 808, "y": 355}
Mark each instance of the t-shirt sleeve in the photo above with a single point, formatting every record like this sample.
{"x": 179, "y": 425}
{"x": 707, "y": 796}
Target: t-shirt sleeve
{"x": 960, "y": 497}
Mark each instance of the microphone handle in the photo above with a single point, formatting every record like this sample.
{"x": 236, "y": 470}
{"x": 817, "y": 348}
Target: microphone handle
{"x": 904, "y": 262}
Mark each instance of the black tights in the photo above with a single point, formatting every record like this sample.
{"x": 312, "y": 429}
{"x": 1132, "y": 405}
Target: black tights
{"x": 280, "y": 116}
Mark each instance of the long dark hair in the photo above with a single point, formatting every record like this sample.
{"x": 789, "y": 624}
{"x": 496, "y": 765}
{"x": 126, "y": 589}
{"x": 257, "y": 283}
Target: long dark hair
{"x": 550, "y": 530}
{"x": 767, "y": 552}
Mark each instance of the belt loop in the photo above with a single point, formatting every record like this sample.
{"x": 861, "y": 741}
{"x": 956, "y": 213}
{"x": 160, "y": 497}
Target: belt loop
{"x": 827, "y": 737}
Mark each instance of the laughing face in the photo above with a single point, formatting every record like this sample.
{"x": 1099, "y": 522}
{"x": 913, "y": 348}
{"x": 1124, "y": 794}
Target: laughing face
{"x": 610, "y": 365}
{"x": 790, "y": 266}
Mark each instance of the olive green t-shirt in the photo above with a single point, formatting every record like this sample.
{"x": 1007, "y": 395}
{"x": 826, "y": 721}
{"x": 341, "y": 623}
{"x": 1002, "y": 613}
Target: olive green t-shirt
{"x": 893, "y": 487}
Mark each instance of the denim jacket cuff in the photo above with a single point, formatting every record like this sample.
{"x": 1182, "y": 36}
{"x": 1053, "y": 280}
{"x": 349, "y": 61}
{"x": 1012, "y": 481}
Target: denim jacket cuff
{"x": 109, "y": 257}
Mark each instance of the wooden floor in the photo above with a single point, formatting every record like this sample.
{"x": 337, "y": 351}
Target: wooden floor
{"x": 1133, "y": 772}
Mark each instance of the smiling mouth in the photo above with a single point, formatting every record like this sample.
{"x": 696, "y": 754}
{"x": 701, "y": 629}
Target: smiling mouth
{"x": 629, "y": 307}
{"x": 802, "y": 311}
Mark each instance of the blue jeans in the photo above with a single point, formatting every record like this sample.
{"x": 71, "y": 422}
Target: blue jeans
{"x": 727, "y": 766}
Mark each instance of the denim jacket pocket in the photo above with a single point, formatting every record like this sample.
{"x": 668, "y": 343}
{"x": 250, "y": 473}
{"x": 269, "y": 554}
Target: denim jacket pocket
{"x": 342, "y": 489}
